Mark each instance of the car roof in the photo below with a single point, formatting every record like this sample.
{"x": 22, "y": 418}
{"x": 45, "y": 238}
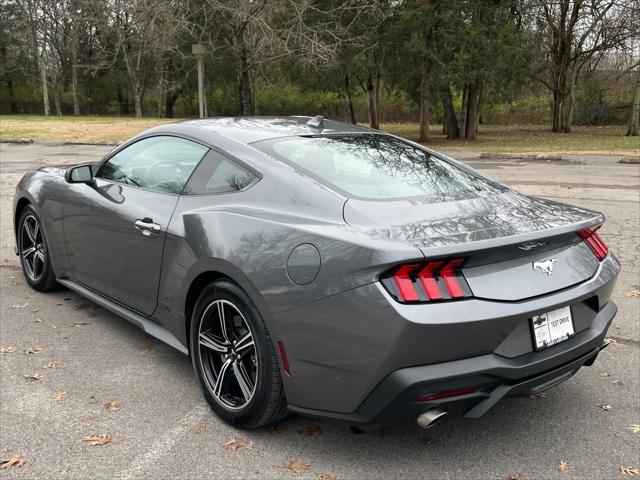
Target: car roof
{"x": 254, "y": 129}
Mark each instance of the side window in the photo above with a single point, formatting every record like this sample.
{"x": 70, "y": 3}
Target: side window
{"x": 218, "y": 174}
{"x": 161, "y": 164}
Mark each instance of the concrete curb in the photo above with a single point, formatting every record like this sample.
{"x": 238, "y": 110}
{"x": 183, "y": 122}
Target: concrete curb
{"x": 632, "y": 160}
{"x": 74, "y": 142}
{"x": 521, "y": 156}
{"x": 16, "y": 140}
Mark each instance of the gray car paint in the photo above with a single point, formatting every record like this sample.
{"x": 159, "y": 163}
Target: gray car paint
{"x": 343, "y": 331}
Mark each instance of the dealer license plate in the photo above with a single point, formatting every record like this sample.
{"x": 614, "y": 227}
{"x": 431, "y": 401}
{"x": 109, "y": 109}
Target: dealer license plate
{"x": 552, "y": 327}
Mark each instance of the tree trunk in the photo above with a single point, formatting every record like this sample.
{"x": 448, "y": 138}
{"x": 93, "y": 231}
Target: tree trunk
{"x": 12, "y": 98}
{"x": 137, "y": 99}
{"x": 372, "y": 104}
{"x": 56, "y": 93}
{"x": 123, "y": 100}
{"x": 45, "y": 89}
{"x": 244, "y": 86}
{"x": 634, "y": 120}
{"x": 347, "y": 95}
{"x": 463, "y": 109}
{"x": 478, "y": 107}
{"x": 74, "y": 74}
{"x": 424, "y": 103}
{"x": 169, "y": 102}
{"x": 568, "y": 118}
{"x": 471, "y": 127}
{"x": 450, "y": 120}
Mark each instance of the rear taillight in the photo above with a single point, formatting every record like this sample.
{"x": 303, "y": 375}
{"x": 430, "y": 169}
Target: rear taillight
{"x": 427, "y": 282}
{"x": 595, "y": 241}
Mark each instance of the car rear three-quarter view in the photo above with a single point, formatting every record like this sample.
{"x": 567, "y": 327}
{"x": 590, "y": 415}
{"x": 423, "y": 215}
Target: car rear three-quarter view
{"x": 325, "y": 269}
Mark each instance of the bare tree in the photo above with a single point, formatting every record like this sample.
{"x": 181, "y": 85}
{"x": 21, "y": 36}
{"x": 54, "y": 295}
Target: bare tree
{"x": 32, "y": 14}
{"x": 142, "y": 29}
{"x": 578, "y": 30}
{"x": 259, "y": 32}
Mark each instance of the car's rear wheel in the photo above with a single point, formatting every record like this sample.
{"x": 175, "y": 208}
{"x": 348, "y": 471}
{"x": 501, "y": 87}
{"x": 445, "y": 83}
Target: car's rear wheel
{"x": 234, "y": 358}
{"x": 34, "y": 252}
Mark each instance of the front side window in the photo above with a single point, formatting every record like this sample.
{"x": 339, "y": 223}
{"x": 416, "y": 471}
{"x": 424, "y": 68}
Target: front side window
{"x": 373, "y": 166}
{"x": 218, "y": 174}
{"x": 161, "y": 164}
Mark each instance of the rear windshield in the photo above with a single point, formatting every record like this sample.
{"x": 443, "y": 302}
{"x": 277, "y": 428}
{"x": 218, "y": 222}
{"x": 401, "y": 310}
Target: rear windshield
{"x": 372, "y": 166}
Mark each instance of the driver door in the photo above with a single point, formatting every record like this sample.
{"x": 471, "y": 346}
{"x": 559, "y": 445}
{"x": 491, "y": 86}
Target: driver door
{"x": 115, "y": 228}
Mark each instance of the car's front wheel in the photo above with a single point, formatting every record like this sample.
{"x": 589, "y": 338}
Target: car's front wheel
{"x": 34, "y": 252}
{"x": 234, "y": 358}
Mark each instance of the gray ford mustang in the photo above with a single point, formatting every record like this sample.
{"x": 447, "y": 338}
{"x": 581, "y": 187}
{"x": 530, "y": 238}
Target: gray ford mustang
{"x": 323, "y": 268}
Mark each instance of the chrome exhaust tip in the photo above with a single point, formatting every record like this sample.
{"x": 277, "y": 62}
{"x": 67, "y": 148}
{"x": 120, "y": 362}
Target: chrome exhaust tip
{"x": 430, "y": 417}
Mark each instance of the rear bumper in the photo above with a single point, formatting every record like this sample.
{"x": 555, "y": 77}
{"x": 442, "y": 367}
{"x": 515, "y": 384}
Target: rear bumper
{"x": 494, "y": 376}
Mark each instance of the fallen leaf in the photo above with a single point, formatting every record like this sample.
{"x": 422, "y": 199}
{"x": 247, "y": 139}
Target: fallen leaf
{"x": 606, "y": 408}
{"x": 563, "y": 466}
{"x": 385, "y": 433}
{"x": 148, "y": 344}
{"x": 87, "y": 418}
{"x": 356, "y": 430}
{"x": 633, "y": 293}
{"x": 20, "y": 305}
{"x": 278, "y": 430}
{"x": 537, "y": 396}
{"x": 327, "y": 476}
{"x": 94, "y": 440}
{"x": 92, "y": 400}
{"x": 112, "y": 405}
{"x": 614, "y": 342}
{"x": 32, "y": 376}
{"x": 632, "y": 472}
{"x": 295, "y": 466}
{"x": 15, "y": 461}
{"x": 60, "y": 396}
{"x": 241, "y": 444}
{"x": 635, "y": 428}
{"x": 37, "y": 320}
{"x": 6, "y": 350}
{"x": 616, "y": 381}
{"x": 198, "y": 429}
{"x": 79, "y": 324}
{"x": 310, "y": 430}
{"x": 35, "y": 310}
{"x": 55, "y": 327}
{"x": 81, "y": 306}
{"x": 605, "y": 374}
{"x": 52, "y": 365}
{"x": 515, "y": 476}
{"x": 32, "y": 350}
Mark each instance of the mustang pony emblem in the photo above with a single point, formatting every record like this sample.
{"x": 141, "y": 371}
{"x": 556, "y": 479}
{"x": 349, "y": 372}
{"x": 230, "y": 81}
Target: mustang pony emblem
{"x": 546, "y": 265}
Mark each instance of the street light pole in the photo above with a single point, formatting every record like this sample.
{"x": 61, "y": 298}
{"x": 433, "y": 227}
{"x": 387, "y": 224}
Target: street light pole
{"x": 199, "y": 51}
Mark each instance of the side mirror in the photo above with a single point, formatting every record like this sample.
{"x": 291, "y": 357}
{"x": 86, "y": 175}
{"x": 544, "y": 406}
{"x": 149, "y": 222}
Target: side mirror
{"x": 79, "y": 174}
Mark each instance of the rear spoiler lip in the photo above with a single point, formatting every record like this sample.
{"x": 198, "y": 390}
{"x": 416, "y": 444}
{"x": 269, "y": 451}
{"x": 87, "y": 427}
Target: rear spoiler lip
{"x": 468, "y": 247}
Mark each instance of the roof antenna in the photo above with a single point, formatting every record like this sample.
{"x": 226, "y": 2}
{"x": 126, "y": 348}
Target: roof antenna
{"x": 316, "y": 122}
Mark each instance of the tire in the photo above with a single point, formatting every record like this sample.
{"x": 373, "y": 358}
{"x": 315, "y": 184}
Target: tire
{"x": 36, "y": 263}
{"x": 251, "y": 393}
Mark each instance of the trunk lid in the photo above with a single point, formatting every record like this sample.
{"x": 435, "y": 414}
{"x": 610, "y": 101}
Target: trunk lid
{"x": 515, "y": 246}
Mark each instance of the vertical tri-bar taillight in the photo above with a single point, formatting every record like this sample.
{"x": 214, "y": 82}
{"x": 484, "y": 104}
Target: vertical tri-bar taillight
{"x": 428, "y": 281}
{"x": 595, "y": 241}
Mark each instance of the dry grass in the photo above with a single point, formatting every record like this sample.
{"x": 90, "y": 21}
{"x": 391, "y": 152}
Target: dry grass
{"x": 606, "y": 140}
{"x": 85, "y": 129}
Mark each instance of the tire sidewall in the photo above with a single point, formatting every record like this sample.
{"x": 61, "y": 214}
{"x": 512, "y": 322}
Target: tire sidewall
{"x": 47, "y": 273}
{"x": 250, "y": 414}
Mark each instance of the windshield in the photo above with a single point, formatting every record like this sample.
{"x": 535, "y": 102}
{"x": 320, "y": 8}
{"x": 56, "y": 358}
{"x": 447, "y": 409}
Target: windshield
{"x": 372, "y": 166}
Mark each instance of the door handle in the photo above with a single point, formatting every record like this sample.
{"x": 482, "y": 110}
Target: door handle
{"x": 147, "y": 227}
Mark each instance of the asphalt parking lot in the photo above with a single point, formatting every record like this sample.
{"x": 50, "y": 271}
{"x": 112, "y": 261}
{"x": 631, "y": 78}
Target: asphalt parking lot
{"x": 161, "y": 427}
